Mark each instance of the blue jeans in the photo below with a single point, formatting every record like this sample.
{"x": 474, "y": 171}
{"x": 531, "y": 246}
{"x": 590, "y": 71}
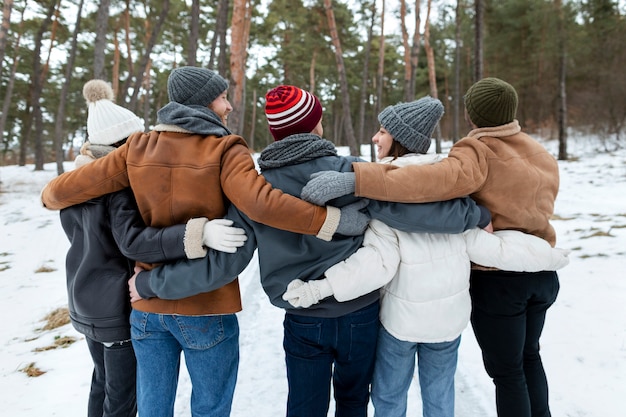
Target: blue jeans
{"x": 211, "y": 348}
{"x": 393, "y": 371}
{"x": 112, "y": 392}
{"x": 508, "y": 314}
{"x": 313, "y": 346}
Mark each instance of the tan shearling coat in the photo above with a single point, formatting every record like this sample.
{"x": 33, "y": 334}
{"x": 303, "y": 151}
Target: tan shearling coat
{"x": 176, "y": 176}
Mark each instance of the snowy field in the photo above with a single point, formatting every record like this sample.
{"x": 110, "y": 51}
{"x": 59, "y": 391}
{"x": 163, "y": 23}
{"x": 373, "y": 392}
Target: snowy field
{"x": 583, "y": 345}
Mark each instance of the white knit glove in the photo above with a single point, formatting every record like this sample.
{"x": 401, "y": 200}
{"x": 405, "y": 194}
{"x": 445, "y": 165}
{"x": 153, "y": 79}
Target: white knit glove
{"x": 219, "y": 234}
{"x": 305, "y": 294}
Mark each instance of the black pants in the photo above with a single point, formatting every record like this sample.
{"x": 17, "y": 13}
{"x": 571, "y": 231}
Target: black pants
{"x": 113, "y": 384}
{"x": 508, "y": 314}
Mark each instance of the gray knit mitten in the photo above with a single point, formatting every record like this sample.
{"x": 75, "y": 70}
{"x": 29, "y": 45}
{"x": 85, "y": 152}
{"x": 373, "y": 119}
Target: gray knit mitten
{"x": 328, "y": 185}
{"x": 353, "y": 221}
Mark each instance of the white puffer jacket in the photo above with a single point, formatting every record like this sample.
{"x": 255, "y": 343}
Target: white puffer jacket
{"x": 425, "y": 277}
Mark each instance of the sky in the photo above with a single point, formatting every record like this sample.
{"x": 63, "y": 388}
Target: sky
{"x": 583, "y": 344}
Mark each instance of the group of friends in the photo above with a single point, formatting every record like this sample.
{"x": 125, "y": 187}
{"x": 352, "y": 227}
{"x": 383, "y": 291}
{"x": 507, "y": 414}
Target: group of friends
{"x": 377, "y": 265}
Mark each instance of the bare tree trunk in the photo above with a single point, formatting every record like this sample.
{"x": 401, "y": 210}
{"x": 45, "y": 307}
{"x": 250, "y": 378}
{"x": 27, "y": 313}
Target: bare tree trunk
{"x": 4, "y": 29}
{"x": 6, "y": 103}
{"x": 34, "y": 119}
{"x": 456, "y": 101}
{"x": 145, "y": 59}
{"x": 478, "y": 39}
{"x": 432, "y": 76}
{"x": 194, "y": 31}
{"x": 365, "y": 77}
{"x": 59, "y": 134}
{"x": 562, "y": 112}
{"x": 379, "y": 74}
{"x": 408, "y": 94}
{"x": 102, "y": 20}
{"x": 222, "y": 28}
{"x": 415, "y": 48}
{"x": 239, "y": 34}
{"x": 219, "y": 34}
{"x": 343, "y": 79}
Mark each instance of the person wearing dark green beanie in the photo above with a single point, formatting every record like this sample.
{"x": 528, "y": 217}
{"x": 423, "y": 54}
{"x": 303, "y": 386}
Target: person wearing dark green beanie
{"x": 517, "y": 179}
{"x": 491, "y": 102}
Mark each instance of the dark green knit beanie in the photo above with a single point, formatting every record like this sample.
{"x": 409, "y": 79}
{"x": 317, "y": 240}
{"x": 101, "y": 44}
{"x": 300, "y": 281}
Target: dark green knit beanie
{"x": 491, "y": 102}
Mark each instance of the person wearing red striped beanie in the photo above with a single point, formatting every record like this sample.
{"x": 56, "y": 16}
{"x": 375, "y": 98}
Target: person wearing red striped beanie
{"x": 291, "y": 110}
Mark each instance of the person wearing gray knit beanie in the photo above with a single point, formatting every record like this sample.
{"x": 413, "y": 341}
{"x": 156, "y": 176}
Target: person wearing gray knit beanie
{"x": 517, "y": 179}
{"x": 412, "y": 124}
{"x": 195, "y": 86}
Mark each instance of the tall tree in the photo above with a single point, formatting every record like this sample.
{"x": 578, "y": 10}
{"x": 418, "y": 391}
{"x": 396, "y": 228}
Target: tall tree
{"x": 415, "y": 47}
{"x": 4, "y": 29}
{"x": 379, "y": 73}
{"x": 144, "y": 62}
{"x": 365, "y": 75}
{"x": 32, "y": 128}
{"x": 102, "y": 24}
{"x": 239, "y": 37}
{"x": 194, "y": 32}
{"x": 456, "y": 95}
{"x": 562, "y": 106}
{"x": 221, "y": 27}
{"x": 479, "y": 18}
{"x": 59, "y": 134}
{"x": 432, "y": 75}
{"x": 341, "y": 69}
{"x": 411, "y": 52}
{"x": 6, "y": 103}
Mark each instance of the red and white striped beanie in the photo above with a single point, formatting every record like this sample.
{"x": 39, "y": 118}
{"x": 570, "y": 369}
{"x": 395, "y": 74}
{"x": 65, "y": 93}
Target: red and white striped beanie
{"x": 291, "y": 110}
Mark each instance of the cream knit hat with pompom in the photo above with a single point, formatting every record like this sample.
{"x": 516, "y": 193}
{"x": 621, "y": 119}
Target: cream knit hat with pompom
{"x": 107, "y": 123}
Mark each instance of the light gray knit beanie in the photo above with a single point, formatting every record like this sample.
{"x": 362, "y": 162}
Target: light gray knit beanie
{"x": 412, "y": 124}
{"x": 195, "y": 85}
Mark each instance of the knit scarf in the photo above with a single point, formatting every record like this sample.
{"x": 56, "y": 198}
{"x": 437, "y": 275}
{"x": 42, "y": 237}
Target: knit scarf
{"x": 295, "y": 149}
{"x": 90, "y": 152}
{"x": 193, "y": 118}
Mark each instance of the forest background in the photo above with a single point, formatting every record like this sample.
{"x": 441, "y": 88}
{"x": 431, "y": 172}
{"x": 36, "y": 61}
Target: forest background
{"x": 566, "y": 59}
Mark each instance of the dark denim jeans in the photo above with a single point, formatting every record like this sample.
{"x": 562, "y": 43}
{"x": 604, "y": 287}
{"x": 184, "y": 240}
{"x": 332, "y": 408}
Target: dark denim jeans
{"x": 508, "y": 314}
{"x": 318, "y": 350}
{"x": 112, "y": 391}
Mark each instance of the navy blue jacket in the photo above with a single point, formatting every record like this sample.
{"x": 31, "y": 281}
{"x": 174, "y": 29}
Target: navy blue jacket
{"x": 106, "y": 235}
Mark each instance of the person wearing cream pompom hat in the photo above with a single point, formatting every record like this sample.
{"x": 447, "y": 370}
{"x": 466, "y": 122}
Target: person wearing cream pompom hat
{"x": 107, "y": 123}
{"x": 104, "y": 233}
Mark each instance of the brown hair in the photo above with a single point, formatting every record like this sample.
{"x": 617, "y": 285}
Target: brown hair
{"x": 397, "y": 150}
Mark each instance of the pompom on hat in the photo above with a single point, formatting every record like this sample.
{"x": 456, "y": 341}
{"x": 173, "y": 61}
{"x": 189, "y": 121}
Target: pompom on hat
{"x": 291, "y": 110}
{"x": 195, "y": 86}
{"x": 412, "y": 124}
{"x": 107, "y": 123}
{"x": 491, "y": 102}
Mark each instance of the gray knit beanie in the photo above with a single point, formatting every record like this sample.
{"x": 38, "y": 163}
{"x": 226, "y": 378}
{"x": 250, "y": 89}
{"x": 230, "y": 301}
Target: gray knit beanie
{"x": 194, "y": 85}
{"x": 412, "y": 124}
{"x": 491, "y": 102}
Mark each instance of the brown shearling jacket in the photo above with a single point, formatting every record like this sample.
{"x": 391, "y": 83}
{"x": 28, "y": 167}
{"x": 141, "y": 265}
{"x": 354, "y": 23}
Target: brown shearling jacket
{"x": 500, "y": 167}
{"x": 175, "y": 176}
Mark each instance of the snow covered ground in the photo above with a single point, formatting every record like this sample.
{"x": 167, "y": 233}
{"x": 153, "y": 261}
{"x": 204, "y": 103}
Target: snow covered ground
{"x": 583, "y": 345}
